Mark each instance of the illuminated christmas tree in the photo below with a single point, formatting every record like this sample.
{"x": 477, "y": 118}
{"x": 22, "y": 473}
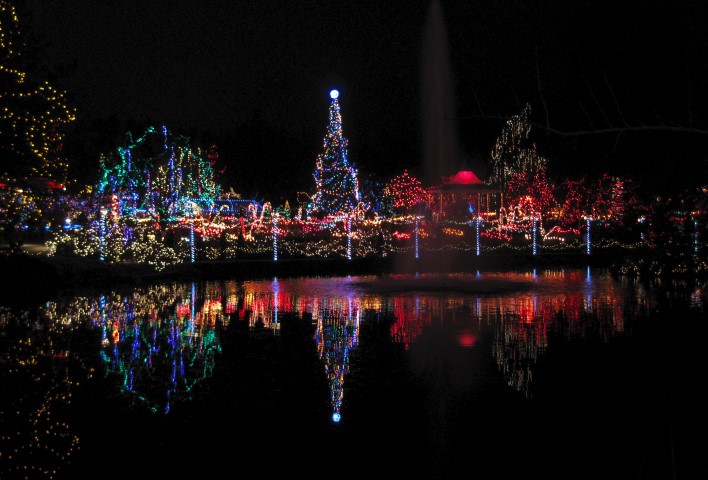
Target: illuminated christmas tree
{"x": 33, "y": 113}
{"x": 336, "y": 183}
{"x": 514, "y": 154}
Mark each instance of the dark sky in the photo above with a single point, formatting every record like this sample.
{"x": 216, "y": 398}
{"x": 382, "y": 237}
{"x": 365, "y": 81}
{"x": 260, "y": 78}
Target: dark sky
{"x": 214, "y": 65}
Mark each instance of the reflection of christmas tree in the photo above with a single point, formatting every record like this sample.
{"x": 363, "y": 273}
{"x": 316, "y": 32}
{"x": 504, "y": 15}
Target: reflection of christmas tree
{"x": 335, "y": 336}
{"x": 337, "y": 186}
{"x": 159, "y": 356}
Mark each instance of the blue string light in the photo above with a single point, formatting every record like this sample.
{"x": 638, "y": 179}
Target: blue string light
{"x": 477, "y": 221}
{"x": 192, "y": 253}
{"x": 275, "y": 238}
{"x": 349, "y": 238}
{"x": 416, "y": 239}
{"x": 101, "y": 233}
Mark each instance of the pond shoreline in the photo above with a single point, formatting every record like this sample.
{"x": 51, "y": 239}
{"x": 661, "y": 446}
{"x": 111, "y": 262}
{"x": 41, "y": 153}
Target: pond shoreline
{"x": 33, "y": 278}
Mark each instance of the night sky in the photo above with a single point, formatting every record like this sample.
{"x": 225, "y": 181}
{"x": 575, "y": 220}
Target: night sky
{"x": 254, "y": 76}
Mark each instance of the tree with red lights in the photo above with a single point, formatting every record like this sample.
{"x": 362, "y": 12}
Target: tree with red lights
{"x": 574, "y": 205}
{"x": 404, "y": 192}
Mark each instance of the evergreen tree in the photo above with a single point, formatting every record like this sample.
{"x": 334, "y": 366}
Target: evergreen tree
{"x": 514, "y": 153}
{"x": 336, "y": 183}
{"x": 32, "y": 113}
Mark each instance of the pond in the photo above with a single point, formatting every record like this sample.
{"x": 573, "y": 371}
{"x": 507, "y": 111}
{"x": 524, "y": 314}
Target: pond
{"x": 554, "y": 373}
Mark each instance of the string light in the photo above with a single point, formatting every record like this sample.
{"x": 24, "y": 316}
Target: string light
{"x": 275, "y": 238}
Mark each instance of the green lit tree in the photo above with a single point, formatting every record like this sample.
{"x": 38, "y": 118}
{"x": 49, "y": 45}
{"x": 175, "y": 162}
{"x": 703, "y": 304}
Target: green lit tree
{"x": 336, "y": 183}
{"x": 33, "y": 114}
{"x": 156, "y": 176}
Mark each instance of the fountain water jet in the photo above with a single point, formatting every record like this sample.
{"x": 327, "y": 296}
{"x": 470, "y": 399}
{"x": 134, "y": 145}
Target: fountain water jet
{"x": 441, "y": 150}
{"x": 441, "y": 146}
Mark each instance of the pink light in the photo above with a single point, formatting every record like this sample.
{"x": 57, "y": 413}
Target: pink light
{"x": 467, "y": 339}
{"x": 465, "y": 177}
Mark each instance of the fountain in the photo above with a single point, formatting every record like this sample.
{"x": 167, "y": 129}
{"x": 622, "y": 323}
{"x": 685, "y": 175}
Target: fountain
{"x": 441, "y": 150}
{"x": 441, "y": 145}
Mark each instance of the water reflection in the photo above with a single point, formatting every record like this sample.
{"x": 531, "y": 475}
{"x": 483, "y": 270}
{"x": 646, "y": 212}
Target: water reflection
{"x": 336, "y": 334}
{"x": 165, "y": 337}
{"x": 159, "y": 343}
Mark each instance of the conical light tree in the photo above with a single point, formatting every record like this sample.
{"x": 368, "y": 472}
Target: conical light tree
{"x": 336, "y": 182}
{"x": 32, "y": 113}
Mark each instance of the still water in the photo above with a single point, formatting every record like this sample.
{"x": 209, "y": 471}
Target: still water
{"x": 565, "y": 373}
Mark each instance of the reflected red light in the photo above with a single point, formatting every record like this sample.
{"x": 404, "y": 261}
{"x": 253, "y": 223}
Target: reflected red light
{"x": 467, "y": 339}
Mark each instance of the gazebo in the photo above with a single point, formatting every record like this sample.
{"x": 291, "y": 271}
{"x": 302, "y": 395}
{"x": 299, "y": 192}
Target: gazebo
{"x": 464, "y": 186}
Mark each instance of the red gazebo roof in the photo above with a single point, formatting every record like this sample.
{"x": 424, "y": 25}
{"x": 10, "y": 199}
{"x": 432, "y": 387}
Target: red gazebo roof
{"x": 464, "y": 181}
{"x": 465, "y": 177}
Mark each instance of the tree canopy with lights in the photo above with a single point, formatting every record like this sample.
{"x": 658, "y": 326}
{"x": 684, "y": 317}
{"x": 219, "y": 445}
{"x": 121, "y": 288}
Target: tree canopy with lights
{"x": 514, "y": 153}
{"x": 156, "y": 175}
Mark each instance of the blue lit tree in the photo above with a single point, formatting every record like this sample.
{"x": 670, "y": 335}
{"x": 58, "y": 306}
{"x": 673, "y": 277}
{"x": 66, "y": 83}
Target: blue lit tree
{"x": 336, "y": 183}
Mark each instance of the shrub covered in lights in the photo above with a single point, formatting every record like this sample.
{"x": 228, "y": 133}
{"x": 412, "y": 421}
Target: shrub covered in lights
{"x": 403, "y": 193}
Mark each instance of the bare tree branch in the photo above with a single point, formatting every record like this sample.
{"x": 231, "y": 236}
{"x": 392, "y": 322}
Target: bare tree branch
{"x": 586, "y": 115}
{"x": 476, "y": 98}
{"x": 614, "y": 99}
{"x": 597, "y": 103}
{"x": 540, "y": 89}
{"x": 688, "y": 87}
{"x": 623, "y": 127}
